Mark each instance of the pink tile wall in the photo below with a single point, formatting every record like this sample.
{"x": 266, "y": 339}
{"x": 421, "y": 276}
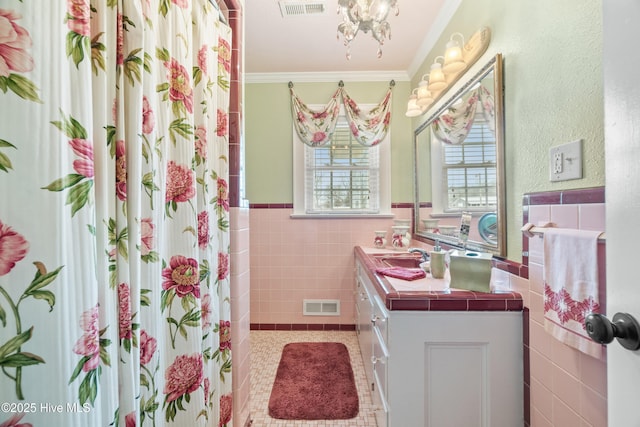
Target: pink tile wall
{"x": 240, "y": 316}
{"x": 297, "y": 259}
{"x": 566, "y": 387}
{"x": 239, "y": 225}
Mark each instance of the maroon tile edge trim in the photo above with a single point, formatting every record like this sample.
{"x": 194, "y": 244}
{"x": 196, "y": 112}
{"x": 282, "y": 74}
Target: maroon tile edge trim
{"x": 235, "y": 107}
{"x": 526, "y": 366}
{"x": 402, "y": 205}
{"x": 565, "y": 197}
{"x": 301, "y": 327}
{"x": 290, "y": 205}
{"x": 271, "y": 206}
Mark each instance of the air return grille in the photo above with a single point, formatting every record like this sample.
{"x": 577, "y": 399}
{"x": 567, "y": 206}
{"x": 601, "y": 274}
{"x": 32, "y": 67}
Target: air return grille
{"x": 321, "y": 307}
{"x": 298, "y": 8}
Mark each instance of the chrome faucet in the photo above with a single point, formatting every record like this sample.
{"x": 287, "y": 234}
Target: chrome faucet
{"x": 425, "y": 254}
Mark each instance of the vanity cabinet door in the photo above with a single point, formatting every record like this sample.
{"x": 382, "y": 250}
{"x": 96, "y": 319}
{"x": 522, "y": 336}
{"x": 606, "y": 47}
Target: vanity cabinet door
{"x": 437, "y": 360}
{"x": 380, "y": 361}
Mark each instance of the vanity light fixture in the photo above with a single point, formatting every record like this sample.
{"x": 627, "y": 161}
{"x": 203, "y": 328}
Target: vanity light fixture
{"x": 444, "y": 74}
{"x": 437, "y": 81}
{"x": 413, "y": 109}
{"x": 424, "y": 94}
{"x": 453, "y": 59}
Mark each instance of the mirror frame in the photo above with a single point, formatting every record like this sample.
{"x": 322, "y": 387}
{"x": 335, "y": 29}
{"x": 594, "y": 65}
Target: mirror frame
{"x": 495, "y": 64}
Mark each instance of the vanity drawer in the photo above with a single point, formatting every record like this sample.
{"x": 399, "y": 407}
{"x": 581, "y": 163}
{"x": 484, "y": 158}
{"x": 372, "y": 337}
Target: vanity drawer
{"x": 380, "y": 360}
{"x": 362, "y": 293}
{"x": 380, "y": 318}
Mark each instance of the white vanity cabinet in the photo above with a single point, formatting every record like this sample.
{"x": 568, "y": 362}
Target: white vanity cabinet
{"x": 371, "y": 328}
{"x": 440, "y": 368}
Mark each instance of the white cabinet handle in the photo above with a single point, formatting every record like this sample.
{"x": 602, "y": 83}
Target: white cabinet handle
{"x": 375, "y": 318}
{"x": 375, "y": 360}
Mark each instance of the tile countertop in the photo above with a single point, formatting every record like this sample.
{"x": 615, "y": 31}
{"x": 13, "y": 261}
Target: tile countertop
{"x": 431, "y": 294}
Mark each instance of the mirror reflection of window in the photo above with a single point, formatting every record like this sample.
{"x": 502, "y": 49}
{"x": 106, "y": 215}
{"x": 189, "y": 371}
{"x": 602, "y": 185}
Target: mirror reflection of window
{"x": 469, "y": 170}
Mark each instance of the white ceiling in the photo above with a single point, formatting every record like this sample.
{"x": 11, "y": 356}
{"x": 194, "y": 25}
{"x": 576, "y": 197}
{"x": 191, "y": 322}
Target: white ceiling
{"x": 277, "y": 47}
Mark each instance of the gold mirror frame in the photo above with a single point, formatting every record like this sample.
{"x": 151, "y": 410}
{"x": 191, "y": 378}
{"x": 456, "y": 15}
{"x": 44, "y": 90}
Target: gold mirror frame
{"x": 422, "y": 156}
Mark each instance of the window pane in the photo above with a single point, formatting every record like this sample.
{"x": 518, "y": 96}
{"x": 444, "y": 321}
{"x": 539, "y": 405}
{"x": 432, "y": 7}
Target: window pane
{"x": 342, "y": 173}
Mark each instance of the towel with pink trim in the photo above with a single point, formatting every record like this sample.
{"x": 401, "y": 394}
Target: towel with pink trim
{"x": 571, "y": 288}
{"x": 402, "y": 273}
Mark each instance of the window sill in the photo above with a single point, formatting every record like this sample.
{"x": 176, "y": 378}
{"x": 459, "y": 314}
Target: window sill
{"x": 339, "y": 216}
{"x": 444, "y": 215}
{"x": 456, "y": 214}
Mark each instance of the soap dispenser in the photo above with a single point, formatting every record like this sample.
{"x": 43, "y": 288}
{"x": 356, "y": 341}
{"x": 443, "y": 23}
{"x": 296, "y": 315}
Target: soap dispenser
{"x": 437, "y": 261}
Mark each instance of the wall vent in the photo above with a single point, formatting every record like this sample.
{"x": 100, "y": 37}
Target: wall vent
{"x": 321, "y": 307}
{"x": 300, "y": 7}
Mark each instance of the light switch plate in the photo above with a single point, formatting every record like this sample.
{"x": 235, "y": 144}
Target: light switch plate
{"x": 565, "y": 161}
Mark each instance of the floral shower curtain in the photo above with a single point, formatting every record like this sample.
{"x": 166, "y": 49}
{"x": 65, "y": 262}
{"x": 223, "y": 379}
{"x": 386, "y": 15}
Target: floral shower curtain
{"x": 114, "y": 226}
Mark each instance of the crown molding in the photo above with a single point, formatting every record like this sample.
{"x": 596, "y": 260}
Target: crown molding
{"x": 439, "y": 25}
{"x": 328, "y": 76}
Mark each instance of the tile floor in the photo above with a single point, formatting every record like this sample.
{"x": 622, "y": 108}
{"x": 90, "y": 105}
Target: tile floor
{"x": 266, "y": 349}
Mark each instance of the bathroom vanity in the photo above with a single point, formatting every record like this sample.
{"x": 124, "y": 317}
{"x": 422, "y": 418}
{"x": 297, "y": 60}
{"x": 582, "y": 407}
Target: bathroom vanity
{"x": 435, "y": 356}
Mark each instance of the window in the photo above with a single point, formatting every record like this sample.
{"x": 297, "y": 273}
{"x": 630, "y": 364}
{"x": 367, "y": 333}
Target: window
{"x": 469, "y": 171}
{"x": 341, "y": 177}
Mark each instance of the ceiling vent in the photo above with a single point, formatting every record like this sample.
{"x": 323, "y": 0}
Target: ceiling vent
{"x": 300, "y": 8}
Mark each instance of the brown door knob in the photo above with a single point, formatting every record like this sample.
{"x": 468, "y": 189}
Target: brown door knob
{"x": 624, "y": 327}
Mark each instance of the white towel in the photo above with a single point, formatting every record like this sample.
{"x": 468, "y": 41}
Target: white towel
{"x": 571, "y": 286}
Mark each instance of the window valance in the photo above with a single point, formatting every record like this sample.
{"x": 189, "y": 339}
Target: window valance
{"x": 315, "y": 127}
{"x": 452, "y": 127}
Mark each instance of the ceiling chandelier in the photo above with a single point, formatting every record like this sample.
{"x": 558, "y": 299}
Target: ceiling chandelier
{"x": 365, "y": 15}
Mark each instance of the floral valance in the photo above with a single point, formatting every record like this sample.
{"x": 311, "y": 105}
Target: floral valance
{"x": 452, "y": 127}
{"x": 315, "y": 127}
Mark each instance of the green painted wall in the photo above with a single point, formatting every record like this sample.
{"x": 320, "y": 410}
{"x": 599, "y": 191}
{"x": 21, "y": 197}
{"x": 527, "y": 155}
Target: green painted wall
{"x": 553, "y": 94}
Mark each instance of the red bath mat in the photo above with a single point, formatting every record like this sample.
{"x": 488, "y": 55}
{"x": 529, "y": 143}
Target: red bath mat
{"x": 314, "y": 381}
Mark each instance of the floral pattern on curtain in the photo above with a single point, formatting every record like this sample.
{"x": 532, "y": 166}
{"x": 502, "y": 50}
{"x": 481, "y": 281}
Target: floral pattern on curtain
{"x": 369, "y": 128}
{"x": 315, "y": 127}
{"x": 114, "y": 214}
{"x": 453, "y": 126}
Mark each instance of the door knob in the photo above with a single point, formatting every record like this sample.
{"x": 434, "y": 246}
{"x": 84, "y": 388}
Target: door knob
{"x": 624, "y": 327}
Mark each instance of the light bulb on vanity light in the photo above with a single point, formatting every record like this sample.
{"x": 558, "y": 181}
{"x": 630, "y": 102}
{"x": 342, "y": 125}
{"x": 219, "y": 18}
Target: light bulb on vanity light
{"x": 453, "y": 59}
{"x": 413, "y": 110}
{"x": 437, "y": 81}
{"x": 425, "y": 97}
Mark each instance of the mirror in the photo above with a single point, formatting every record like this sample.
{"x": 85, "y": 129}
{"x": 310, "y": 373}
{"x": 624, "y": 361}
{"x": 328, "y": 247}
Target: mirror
{"x": 459, "y": 166}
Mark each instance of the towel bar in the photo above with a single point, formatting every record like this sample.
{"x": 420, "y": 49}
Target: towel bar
{"x": 531, "y": 230}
